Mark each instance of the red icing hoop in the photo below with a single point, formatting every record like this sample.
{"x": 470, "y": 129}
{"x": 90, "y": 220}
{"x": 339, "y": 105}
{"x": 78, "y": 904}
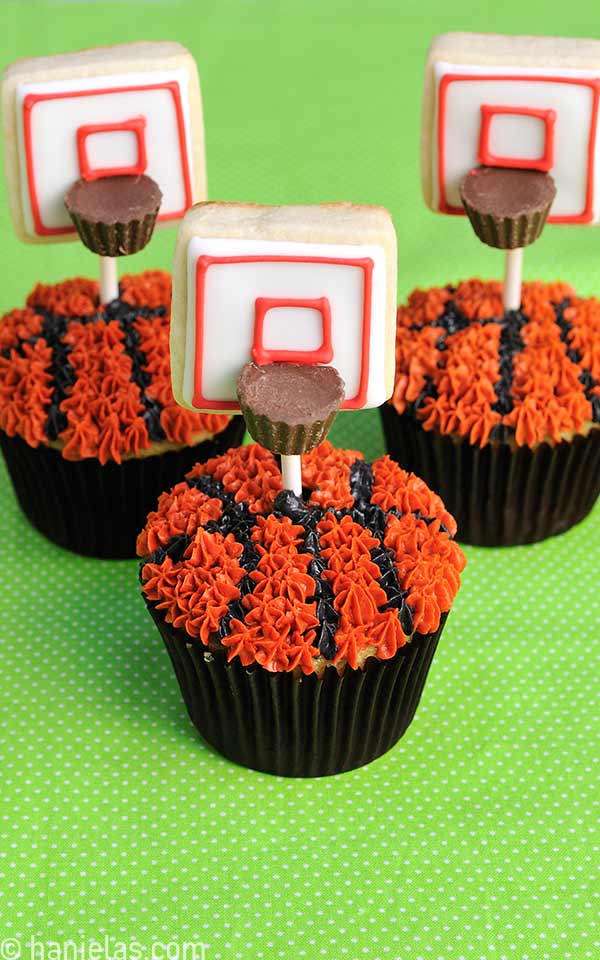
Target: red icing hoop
{"x": 489, "y": 159}
{"x": 32, "y": 99}
{"x": 587, "y": 214}
{"x": 137, "y": 126}
{"x": 262, "y": 355}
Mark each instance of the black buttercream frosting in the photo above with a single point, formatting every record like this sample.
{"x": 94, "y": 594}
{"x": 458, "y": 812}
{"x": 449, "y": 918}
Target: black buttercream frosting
{"x": 54, "y": 328}
{"x": 511, "y": 343}
{"x": 585, "y": 377}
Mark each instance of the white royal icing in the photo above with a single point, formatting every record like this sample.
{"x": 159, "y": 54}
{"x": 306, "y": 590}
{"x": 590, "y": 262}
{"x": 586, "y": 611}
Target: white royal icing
{"x": 518, "y": 136}
{"x": 53, "y": 137}
{"x": 231, "y": 292}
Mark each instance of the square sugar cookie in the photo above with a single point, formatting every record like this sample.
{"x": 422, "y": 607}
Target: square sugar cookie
{"x": 304, "y": 284}
{"x": 133, "y": 108}
{"x": 525, "y": 102}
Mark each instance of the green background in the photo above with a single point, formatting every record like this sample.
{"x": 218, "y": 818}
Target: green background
{"x": 476, "y": 837}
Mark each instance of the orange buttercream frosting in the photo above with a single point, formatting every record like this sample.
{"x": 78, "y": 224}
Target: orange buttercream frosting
{"x": 94, "y": 378}
{"x": 428, "y": 563}
{"x": 394, "y": 487}
{"x": 250, "y": 473}
{"x": 240, "y": 564}
{"x": 26, "y": 391}
{"x": 463, "y": 367}
{"x": 196, "y": 591}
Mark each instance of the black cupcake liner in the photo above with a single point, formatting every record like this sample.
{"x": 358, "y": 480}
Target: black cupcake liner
{"x": 299, "y": 727}
{"x": 500, "y": 496}
{"x": 99, "y": 510}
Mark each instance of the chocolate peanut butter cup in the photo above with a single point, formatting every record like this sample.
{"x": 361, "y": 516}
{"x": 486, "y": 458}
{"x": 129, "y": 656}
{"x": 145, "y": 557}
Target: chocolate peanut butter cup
{"x": 114, "y": 215}
{"x": 289, "y": 407}
{"x": 507, "y": 207}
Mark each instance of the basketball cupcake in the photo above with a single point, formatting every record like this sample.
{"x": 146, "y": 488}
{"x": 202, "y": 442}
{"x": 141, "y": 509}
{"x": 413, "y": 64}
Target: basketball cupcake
{"x": 103, "y": 144}
{"x": 497, "y": 394}
{"x": 89, "y": 428}
{"x": 499, "y": 411}
{"x": 300, "y": 591}
{"x": 301, "y": 628}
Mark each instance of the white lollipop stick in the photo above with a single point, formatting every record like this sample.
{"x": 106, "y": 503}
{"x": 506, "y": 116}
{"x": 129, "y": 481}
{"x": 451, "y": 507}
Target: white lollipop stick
{"x": 513, "y": 269}
{"x": 109, "y": 282}
{"x": 291, "y": 471}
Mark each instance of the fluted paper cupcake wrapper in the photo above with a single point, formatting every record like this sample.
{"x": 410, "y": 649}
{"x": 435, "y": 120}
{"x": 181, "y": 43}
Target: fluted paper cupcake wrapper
{"x": 500, "y": 496}
{"x": 299, "y": 726}
{"x": 99, "y": 510}
{"x": 507, "y": 233}
{"x": 285, "y": 438}
{"x": 115, "y": 239}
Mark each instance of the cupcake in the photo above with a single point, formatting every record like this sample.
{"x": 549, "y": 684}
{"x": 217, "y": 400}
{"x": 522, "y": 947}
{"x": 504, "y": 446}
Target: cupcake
{"x": 498, "y": 411}
{"x": 301, "y": 629}
{"x": 89, "y": 428}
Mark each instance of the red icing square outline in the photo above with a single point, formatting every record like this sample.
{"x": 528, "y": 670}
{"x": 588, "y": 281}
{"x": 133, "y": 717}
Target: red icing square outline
{"x": 32, "y": 99}
{"x": 489, "y": 159}
{"x": 587, "y": 214}
{"x": 137, "y": 126}
{"x": 204, "y": 263}
{"x": 262, "y": 355}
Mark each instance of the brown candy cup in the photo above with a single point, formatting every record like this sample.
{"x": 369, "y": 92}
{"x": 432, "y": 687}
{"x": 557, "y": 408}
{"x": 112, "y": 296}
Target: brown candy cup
{"x": 307, "y": 727}
{"x": 500, "y": 496}
{"x": 286, "y": 438}
{"x": 114, "y": 216}
{"x": 507, "y": 208}
{"x": 115, "y": 239}
{"x": 99, "y": 510}
{"x": 289, "y": 407}
{"x": 506, "y": 233}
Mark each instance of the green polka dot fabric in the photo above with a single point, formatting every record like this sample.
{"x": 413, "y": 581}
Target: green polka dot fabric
{"x": 123, "y": 836}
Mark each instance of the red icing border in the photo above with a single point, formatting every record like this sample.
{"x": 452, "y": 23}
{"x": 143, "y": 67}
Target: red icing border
{"x": 205, "y": 262}
{"x": 489, "y": 159}
{"x": 262, "y": 355}
{"x": 32, "y": 99}
{"x": 587, "y": 213}
{"x": 137, "y": 126}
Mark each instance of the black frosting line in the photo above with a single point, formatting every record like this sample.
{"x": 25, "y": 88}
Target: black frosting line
{"x": 63, "y": 376}
{"x": 126, "y": 315}
{"x": 453, "y": 321}
{"x": 287, "y": 504}
{"x": 585, "y": 376}
{"x": 54, "y": 328}
{"x": 511, "y": 343}
{"x": 236, "y": 519}
{"x": 361, "y": 482}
